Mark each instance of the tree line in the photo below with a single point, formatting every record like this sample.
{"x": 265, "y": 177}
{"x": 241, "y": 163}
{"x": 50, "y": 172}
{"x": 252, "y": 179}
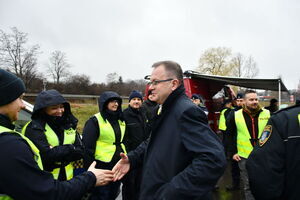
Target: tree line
{"x": 22, "y": 59}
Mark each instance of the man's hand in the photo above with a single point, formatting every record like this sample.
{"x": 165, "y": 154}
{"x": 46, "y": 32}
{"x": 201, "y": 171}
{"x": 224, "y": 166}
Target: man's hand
{"x": 103, "y": 177}
{"x": 236, "y": 157}
{"x": 121, "y": 168}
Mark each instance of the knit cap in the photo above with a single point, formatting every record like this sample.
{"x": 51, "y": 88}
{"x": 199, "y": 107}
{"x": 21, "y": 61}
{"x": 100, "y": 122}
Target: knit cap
{"x": 135, "y": 94}
{"x": 11, "y": 87}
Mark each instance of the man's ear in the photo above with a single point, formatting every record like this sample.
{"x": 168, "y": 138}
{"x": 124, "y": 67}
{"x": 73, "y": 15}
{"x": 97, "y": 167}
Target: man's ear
{"x": 175, "y": 84}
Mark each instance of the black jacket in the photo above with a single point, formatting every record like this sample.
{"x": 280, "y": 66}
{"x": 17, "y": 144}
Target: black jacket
{"x": 274, "y": 165}
{"x": 137, "y": 128}
{"x": 91, "y": 131}
{"x": 184, "y": 158}
{"x": 21, "y": 178}
{"x": 35, "y": 131}
{"x": 150, "y": 108}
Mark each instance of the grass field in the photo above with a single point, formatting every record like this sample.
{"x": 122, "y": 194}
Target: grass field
{"x": 84, "y": 111}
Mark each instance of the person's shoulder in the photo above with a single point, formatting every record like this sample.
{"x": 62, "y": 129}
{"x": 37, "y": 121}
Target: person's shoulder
{"x": 188, "y": 107}
{"x": 11, "y": 141}
{"x": 290, "y": 109}
{"x": 184, "y": 103}
{"x": 92, "y": 120}
{"x": 37, "y": 124}
{"x": 285, "y": 115}
{"x": 126, "y": 111}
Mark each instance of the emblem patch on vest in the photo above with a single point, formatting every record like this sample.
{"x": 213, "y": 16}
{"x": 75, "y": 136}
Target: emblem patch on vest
{"x": 265, "y": 135}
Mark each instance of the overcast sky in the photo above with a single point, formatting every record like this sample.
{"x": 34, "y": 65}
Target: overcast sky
{"x": 128, "y": 36}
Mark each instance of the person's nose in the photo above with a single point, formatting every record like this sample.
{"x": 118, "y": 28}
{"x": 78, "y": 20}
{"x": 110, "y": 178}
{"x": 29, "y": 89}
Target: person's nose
{"x": 151, "y": 87}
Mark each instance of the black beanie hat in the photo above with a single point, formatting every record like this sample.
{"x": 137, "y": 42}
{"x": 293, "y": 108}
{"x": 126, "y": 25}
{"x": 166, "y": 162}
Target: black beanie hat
{"x": 11, "y": 87}
{"x": 135, "y": 94}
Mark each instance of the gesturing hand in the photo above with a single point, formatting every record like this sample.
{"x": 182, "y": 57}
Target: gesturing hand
{"x": 121, "y": 168}
{"x": 103, "y": 177}
{"x": 236, "y": 157}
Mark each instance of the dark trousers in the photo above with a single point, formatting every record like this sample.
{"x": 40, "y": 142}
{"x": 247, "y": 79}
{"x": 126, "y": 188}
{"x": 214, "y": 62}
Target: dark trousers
{"x": 235, "y": 173}
{"x": 107, "y": 192}
{"x": 225, "y": 141}
{"x": 131, "y": 185}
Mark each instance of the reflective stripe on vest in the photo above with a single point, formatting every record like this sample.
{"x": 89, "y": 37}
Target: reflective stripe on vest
{"x": 105, "y": 147}
{"x": 34, "y": 149}
{"x": 222, "y": 121}
{"x": 24, "y": 128}
{"x": 69, "y": 138}
{"x": 244, "y": 145}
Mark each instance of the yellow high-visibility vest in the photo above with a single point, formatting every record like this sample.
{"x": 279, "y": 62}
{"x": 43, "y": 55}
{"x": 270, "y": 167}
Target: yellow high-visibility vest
{"x": 244, "y": 145}
{"x": 105, "y": 144}
{"x": 222, "y": 120}
{"x": 34, "y": 149}
{"x": 69, "y": 138}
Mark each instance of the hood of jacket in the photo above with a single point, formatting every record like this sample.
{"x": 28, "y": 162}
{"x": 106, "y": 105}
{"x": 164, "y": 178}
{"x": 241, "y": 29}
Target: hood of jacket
{"x": 105, "y": 97}
{"x": 50, "y": 98}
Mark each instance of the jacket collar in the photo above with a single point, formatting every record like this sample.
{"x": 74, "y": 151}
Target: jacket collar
{"x": 5, "y": 121}
{"x": 167, "y": 105}
{"x": 252, "y": 113}
{"x": 172, "y": 98}
{"x": 134, "y": 110}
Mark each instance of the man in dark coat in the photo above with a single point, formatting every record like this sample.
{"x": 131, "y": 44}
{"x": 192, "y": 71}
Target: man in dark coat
{"x": 184, "y": 158}
{"x": 137, "y": 131}
{"x": 274, "y": 165}
{"x": 136, "y": 121}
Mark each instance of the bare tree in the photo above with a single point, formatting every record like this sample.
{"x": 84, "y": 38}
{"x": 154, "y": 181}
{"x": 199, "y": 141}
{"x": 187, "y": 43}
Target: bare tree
{"x": 216, "y": 61}
{"x": 112, "y": 78}
{"x": 16, "y": 57}
{"x": 220, "y": 61}
{"x": 58, "y": 66}
{"x": 244, "y": 67}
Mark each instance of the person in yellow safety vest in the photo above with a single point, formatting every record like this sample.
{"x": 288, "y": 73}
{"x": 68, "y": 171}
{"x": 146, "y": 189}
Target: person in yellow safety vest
{"x": 53, "y": 131}
{"x": 247, "y": 126}
{"x": 21, "y": 174}
{"x": 103, "y": 137}
{"x": 222, "y": 122}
